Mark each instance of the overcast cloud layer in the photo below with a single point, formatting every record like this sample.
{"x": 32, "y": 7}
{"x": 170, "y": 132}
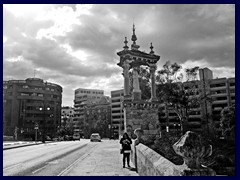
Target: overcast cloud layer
{"x": 75, "y": 45}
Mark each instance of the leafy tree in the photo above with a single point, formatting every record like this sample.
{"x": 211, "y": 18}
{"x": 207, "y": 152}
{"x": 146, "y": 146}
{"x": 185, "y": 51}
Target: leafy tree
{"x": 227, "y": 122}
{"x": 179, "y": 97}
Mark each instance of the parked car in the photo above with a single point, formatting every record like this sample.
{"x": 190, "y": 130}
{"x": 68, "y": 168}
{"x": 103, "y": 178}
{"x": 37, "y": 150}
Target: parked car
{"x": 55, "y": 139}
{"x": 76, "y": 136}
{"x": 70, "y": 138}
{"x": 60, "y": 138}
{"x": 112, "y": 137}
{"x": 95, "y": 137}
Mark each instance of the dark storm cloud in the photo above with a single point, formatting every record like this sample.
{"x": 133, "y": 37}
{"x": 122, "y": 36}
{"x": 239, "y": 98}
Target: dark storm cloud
{"x": 180, "y": 33}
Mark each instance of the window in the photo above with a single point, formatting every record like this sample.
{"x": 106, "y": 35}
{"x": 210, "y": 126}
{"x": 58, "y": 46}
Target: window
{"x": 116, "y": 95}
{"x": 232, "y": 84}
{"x": 116, "y": 106}
{"x": 116, "y": 111}
{"x": 41, "y": 95}
{"x": 4, "y": 87}
{"x": 172, "y": 114}
{"x": 25, "y": 87}
{"x": 116, "y": 100}
{"x": 116, "y": 117}
{"x": 52, "y": 90}
{"x": 221, "y": 98}
{"x": 217, "y": 85}
{"x": 218, "y": 92}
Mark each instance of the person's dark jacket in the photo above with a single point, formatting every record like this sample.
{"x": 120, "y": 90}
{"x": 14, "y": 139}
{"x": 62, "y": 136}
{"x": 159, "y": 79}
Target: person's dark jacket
{"x": 126, "y": 143}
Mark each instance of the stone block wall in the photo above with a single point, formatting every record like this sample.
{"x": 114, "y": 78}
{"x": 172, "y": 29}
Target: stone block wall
{"x": 142, "y": 115}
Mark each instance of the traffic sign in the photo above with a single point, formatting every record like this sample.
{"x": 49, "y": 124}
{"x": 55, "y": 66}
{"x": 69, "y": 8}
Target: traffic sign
{"x": 36, "y": 126}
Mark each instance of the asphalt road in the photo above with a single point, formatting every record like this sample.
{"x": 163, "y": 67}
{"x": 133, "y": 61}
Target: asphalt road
{"x": 32, "y": 160}
{"x": 70, "y": 158}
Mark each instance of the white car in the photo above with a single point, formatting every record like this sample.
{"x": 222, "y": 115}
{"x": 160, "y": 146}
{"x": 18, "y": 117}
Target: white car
{"x": 76, "y": 136}
{"x": 95, "y": 137}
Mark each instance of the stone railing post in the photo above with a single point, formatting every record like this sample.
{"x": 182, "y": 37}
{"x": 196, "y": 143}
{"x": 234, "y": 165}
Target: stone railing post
{"x": 192, "y": 147}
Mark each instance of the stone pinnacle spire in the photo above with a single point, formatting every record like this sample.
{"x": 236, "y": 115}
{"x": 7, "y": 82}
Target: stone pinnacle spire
{"x": 151, "y": 47}
{"x": 134, "y": 38}
{"x": 125, "y": 42}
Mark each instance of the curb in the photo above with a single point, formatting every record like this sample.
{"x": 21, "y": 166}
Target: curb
{"x": 24, "y": 145}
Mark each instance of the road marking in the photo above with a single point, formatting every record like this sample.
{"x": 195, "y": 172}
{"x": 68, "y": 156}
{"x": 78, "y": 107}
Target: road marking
{"x": 76, "y": 162}
{"x": 34, "y": 172}
{"x": 12, "y": 166}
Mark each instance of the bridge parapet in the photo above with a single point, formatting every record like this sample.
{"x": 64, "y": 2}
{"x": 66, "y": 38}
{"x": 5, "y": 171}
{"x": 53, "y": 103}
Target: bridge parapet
{"x": 150, "y": 163}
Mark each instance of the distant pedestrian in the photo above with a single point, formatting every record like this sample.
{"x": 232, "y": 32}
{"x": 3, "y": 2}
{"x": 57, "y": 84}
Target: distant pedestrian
{"x": 126, "y": 148}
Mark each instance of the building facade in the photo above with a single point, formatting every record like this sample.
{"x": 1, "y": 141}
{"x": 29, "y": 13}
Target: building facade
{"x": 67, "y": 116}
{"x": 82, "y": 98}
{"x": 117, "y": 111}
{"x": 31, "y": 103}
{"x": 220, "y": 93}
{"x": 97, "y": 118}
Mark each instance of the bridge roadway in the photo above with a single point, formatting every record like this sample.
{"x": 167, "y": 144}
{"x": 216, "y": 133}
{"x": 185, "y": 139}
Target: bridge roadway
{"x": 66, "y": 158}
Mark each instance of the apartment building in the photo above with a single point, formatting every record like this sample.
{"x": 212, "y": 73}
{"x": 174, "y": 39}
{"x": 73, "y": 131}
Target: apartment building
{"x": 221, "y": 93}
{"x": 82, "y": 98}
{"x": 97, "y": 118}
{"x": 117, "y": 111}
{"x": 29, "y": 103}
{"x": 67, "y": 114}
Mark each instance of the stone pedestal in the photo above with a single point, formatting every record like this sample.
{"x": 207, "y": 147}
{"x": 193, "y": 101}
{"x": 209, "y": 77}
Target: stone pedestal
{"x": 193, "y": 148}
{"x": 142, "y": 115}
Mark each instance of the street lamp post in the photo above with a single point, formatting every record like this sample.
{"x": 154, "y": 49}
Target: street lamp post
{"x": 36, "y": 129}
{"x": 44, "y": 120}
{"x": 109, "y": 127}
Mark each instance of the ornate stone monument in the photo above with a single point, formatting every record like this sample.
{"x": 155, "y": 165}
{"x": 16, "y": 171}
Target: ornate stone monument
{"x": 139, "y": 113}
{"x": 193, "y": 148}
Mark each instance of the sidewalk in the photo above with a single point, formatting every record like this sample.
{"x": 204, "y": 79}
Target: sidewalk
{"x": 104, "y": 160}
{"x": 18, "y": 144}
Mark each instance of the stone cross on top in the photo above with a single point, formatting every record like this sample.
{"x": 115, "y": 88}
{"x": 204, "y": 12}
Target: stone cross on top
{"x": 133, "y": 59}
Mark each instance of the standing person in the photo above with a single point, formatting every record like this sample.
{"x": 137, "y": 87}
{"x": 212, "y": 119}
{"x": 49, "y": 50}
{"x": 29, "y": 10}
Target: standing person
{"x": 126, "y": 148}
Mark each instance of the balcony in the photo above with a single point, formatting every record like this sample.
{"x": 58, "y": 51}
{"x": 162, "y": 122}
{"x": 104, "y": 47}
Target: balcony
{"x": 195, "y": 116}
{"x": 219, "y": 95}
{"x": 218, "y": 88}
{"x": 220, "y": 102}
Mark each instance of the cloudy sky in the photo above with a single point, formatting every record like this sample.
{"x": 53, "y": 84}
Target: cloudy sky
{"x": 75, "y": 45}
